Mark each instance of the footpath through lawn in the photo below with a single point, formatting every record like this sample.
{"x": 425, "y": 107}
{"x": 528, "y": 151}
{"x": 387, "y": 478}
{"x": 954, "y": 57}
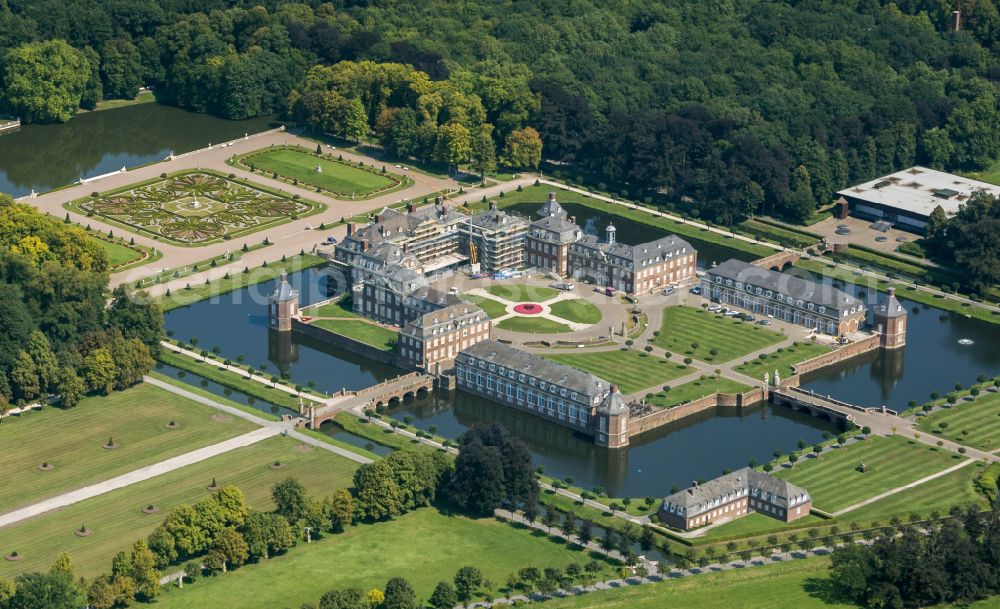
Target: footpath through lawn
{"x": 116, "y": 518}
{"x": 834, "y": 481}
{"x": 72, "y": 441}
{"x": 974, "y": 423}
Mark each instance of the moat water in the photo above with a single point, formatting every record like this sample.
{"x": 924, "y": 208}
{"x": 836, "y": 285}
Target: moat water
{"x": 43, "y": 157}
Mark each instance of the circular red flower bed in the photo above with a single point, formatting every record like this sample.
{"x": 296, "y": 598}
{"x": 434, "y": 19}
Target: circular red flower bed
{"x": 528, "y": 308}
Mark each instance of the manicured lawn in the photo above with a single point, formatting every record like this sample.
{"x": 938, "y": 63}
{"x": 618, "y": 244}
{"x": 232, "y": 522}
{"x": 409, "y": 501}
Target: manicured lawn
{"x": 939, "y": 494}
{"x": 340, "y": 308}
{"x": 519, "y": 292}
{"x": 424, "y": 546}
{"x": 834, "y": 483}
{"x": 117, "y": 521}
{"x": 693, "y": 390}
{"x": 685, "y": 326}
{"x": 794, "y": 584}
{"x": 753, "y": 524}
{"x": 71, "y": 440}
{"x": 493, "y": 308}
{"x": 975, "y": 423}
{"x": 577, "y": 310}
{"x": 782, "y": 359}
{"x": 533, "y": 325}
{"x": 363, "y": 331}
{"x": 630, "y": 369}
{"x": 336, "y": 176}
{"x": 118, "y": 254}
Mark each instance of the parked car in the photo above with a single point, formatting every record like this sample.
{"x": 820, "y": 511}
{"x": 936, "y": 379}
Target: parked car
{"x": 331, "y": 240}
{"x": 670, "y": 290}
{"x": 750, "y": 318}
{"x": 566, "y": 287}
{"x": 732, "y": 313}
{"x": 610, "y": 291}
{"x": 453, "y": 290}
{"x": 764, "y": 322}
{"x": 696, "y": 290}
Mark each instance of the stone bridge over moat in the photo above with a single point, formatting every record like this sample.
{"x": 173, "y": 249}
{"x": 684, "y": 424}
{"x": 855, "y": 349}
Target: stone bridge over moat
{"x": 386, "y": 392}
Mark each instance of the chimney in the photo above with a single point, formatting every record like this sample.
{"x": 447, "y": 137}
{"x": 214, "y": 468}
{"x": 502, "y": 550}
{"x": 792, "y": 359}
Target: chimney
{"x": 378, "y": 218}
{"x": 572, "y": 219}
{"x": 406, "y": 246}
{"x": 364, "y": 245}
{"x": 891, "y": 291}
{"x": 438, "y": 200}
{"x": 411, "y": 207}
{"x": 493, "y": 205}
{"x": 552, "y": 197}
{"x": 350, "y": 229}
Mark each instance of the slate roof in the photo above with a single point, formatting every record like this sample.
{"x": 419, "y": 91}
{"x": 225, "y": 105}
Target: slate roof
{"x": 724, "y": 489}
{"x": 555, "y": 228}
{"x": 284, "y": 292}
{"x": 890, "y": 307}
{"x": 496, "y": 218}
{"x": 551, "y": 208}
{"x": 560, "y": 375}
{"x": 640, "y": 255}
{"x": 445, "y": 320}
{"x": 785, "y": 283}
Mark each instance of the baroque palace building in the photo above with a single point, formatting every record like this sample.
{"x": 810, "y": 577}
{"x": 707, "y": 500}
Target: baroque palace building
{"x": 733, "y": 495}
{"x": 562, "y": 394}
{"x": 784, "y": 296}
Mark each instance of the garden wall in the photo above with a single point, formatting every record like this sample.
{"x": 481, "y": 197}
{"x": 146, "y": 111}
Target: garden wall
{"x": 838, "y": 355}
{"x": 668, "y": 415}
{"x": 343, "y": 342}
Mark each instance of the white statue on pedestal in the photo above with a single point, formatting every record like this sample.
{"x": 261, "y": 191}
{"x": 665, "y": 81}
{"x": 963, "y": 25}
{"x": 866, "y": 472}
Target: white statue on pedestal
{"x": 777, "y": 379}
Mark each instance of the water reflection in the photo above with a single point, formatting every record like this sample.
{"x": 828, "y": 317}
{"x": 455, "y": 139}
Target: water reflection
{"x": 42, "y": 157}
{"x": 696, "y": 447}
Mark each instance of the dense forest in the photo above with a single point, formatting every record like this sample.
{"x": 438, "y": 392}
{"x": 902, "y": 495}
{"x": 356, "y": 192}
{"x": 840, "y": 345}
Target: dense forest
{"x": 736, "y": 107}
{"x": 57, "y": 334}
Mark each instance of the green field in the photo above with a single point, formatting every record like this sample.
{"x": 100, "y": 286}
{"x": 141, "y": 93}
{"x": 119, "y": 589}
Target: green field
{"x": 116, "y": 518}
{"x": 337, "y": 176}
{"x": 782, "y": 359}
{"x": 533, "y": 325}
{"x": 71, "y": 440}
{"x": 519, "y": 292}
{"x": 340, "y": 308}
{"x": 493, "y": 308}
{"x": 975, "y": 423}
{"x": 576, "y": 310}
{"x": 939, "y": 494}
{"x": 424, "y": 546}
{"x": 834, "y": 483}
{"x": 693, "y": 390}
{"x": 731, "y": 338}
{"x": 118, "y": 254}
{"x": 754, "y": 524}
{"x": 630, "y": 369}
{"x": 362, "y": 331}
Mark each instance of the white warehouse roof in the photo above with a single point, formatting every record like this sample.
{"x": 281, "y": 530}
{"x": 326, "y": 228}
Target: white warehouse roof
{"x": 918, "y": 190}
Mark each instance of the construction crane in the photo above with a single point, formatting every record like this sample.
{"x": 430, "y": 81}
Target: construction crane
{"x": 473, "y": 257}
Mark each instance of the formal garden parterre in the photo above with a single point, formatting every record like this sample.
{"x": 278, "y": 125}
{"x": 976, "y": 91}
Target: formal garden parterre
{"x": 325, "y": 173}
{"x": 197, "y": 207}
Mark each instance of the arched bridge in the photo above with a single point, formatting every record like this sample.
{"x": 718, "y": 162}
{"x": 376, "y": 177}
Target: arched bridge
{"x": 386, "y": 392}
{"x": 819, "y": 406}
{"x": 778, "y": 261}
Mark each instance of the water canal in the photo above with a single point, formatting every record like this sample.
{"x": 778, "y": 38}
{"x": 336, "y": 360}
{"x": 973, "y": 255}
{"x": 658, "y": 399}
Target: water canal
{"x": 43, "y": 157}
